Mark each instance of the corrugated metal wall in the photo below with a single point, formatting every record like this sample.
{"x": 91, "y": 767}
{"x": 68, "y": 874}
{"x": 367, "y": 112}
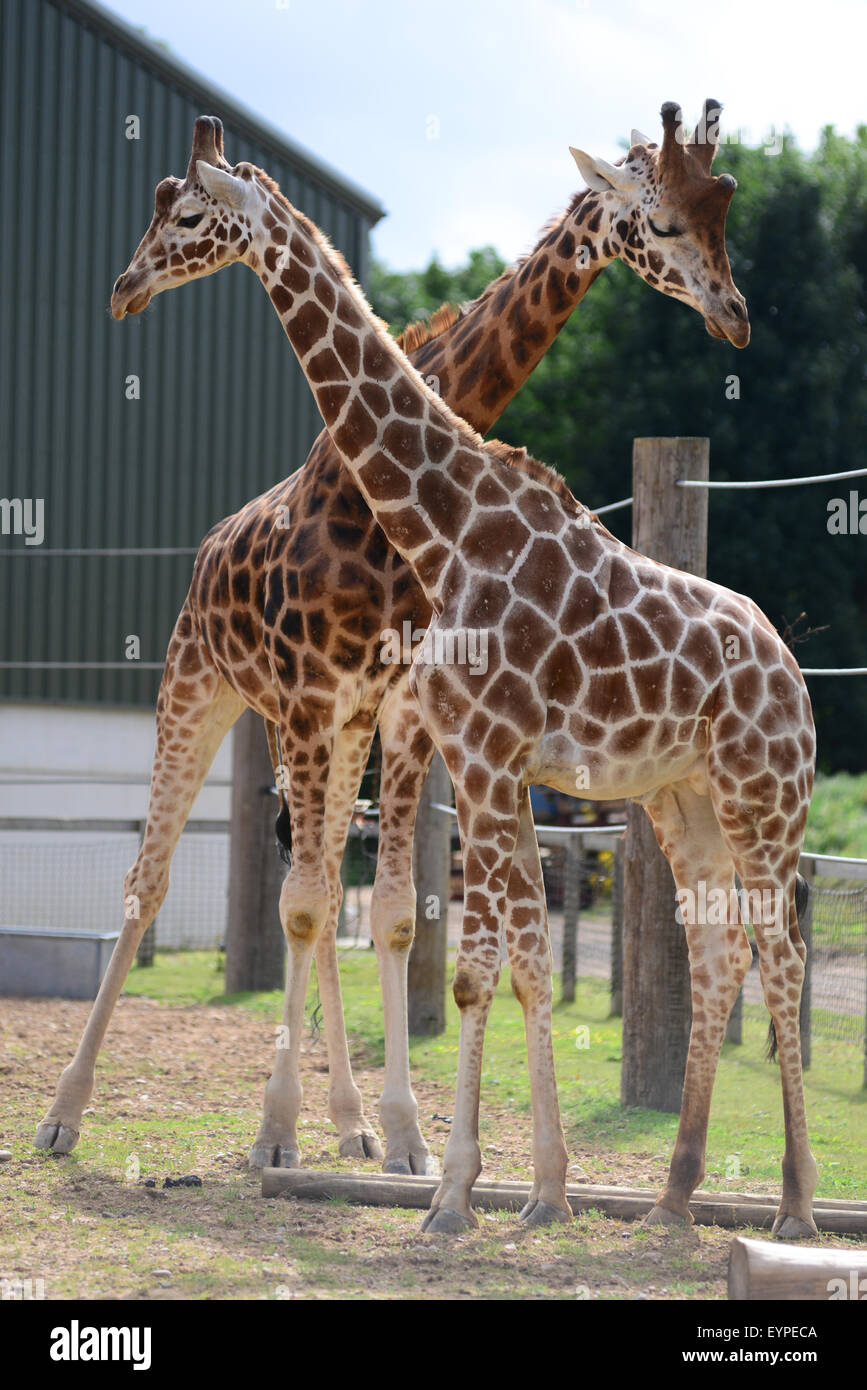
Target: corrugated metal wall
{"x": 224, "y": 410}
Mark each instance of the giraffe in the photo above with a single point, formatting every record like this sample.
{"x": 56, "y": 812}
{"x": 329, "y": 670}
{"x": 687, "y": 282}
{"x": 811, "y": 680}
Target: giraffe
{"x": 217, "y": 663}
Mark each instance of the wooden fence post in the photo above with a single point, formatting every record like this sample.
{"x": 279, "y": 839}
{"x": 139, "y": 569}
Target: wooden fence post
{"x": 669, "y": 524}
{"x": 806, "y": 927}
{"x": 616, "y": 1007}
{"x": 254, "y": 940}
{"x": 432, "y": 871}
{"x": 572, "y": 861}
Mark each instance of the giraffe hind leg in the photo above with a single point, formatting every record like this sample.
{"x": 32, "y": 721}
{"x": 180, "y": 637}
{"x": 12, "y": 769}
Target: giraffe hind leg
{"x": 802, "y": 903}
{"x": 766, "y": 854}
{"x": 719, "y": 957}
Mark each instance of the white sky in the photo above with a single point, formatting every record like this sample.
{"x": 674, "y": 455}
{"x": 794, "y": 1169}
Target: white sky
{"x": 511, "y": 83}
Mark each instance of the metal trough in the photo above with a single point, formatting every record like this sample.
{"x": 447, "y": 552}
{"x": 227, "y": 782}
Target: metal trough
{"x": 50, "y": 963}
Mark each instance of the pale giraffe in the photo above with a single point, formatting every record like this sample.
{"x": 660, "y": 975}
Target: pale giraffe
{"x": 519, "y": 293}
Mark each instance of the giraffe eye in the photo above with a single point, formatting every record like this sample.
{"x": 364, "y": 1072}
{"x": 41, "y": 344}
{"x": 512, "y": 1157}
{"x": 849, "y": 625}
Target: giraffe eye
{"x": 191, "y": 221}
{"x": 662, "y": 231}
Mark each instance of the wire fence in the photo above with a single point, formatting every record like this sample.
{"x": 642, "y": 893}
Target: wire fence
{"x": 71, "y": 880}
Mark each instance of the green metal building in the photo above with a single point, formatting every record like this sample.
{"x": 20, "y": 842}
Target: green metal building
{"x": 222, "y": 412}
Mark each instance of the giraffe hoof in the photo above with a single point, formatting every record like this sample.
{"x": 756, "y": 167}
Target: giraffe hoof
{"x": 362, "y": 1145}
{"x": 793, "y": 1228}
{"x": 664, "y": 1216}
{"x": 413, "y": 1164}
{"x": 59, "y": 1138}
{"x": 267, "y": 1155}
{"x": 446, "y": 1222}
{"x": 538, "y": 1213}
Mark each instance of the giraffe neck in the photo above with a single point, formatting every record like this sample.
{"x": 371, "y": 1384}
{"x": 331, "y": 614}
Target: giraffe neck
{"x": 418, "y": 466}
{"x": 481, "y": 360}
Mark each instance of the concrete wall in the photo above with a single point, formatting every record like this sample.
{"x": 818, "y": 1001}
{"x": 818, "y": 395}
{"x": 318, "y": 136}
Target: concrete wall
{"x": 40, "y": 742}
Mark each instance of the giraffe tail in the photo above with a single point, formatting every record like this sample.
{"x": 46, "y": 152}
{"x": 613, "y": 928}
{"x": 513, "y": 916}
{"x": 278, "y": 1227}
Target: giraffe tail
{"x": 802, "y": 902}
{"x": 283, "y": 825}
{"x": 283, "y": 828}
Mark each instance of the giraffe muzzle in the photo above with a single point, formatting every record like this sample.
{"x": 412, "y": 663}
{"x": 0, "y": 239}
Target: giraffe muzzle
{"x": 732, "y": 323}
{"x": 123, "y": 302}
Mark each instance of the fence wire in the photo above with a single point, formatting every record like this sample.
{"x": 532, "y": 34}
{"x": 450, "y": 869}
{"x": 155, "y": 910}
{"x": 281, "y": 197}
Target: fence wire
{"x": 73, "y": 881}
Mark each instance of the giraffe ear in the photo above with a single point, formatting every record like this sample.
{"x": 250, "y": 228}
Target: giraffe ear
{"x": 636, "y": 138}
{"x": 222, "y": 185}
{"x": 601, "y": 176}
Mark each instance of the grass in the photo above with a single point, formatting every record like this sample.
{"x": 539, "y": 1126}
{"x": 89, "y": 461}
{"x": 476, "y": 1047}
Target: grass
{"x": 837, "y": 823}
{"x": 745, "y": 1136}
{"x": 179, "y": 1090}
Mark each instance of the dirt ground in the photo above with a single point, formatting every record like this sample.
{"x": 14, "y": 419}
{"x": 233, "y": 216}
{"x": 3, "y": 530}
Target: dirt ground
{"x": 179, "y": 1092}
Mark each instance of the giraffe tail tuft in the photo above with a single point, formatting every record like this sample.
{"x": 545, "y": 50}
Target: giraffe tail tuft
{"x": 283, "y": 829}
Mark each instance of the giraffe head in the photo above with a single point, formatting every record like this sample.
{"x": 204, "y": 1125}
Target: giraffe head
{"x": 195, "y": 229}
{"x": 666, "y": 217}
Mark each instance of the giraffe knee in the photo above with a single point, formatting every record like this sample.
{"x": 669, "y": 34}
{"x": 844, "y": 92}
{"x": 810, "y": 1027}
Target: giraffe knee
{"x": 399, "y": 935}
{"x": 473, "y": 987}
{"x": 302, "y": 915}
{"x": 142, "y": 899}
{"x": 392, "y": 920}
{"x": 465, "y": 988}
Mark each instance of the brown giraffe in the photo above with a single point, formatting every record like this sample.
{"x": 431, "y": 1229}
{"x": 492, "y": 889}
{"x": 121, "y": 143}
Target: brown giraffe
{"x": 534, "y": 300}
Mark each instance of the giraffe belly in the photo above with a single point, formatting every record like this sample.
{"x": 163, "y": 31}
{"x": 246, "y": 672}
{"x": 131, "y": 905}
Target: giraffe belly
{"x": 598, "y": 776}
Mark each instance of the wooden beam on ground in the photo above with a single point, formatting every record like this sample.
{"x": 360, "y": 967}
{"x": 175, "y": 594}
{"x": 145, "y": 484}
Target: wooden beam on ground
{"x": 728, "y": 1209}
{"x": 764, "y": 1269}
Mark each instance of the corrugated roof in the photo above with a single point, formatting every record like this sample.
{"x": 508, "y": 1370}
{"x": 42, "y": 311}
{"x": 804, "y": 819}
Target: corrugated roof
{"x": 213, "y": 101}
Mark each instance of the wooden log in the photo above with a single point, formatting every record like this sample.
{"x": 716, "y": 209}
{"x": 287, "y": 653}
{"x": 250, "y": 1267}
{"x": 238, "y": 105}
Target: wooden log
{"x": 395, "y": 1189}
{"x": 669, "y": 523}
{"x": 763, "y": 1269}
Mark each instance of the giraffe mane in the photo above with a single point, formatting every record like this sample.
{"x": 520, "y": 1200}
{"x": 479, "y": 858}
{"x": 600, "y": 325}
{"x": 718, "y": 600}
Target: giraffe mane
{"x": 415, "y": 335}
{"x": 523, "y": 462}
{"x": 422, "y": 331}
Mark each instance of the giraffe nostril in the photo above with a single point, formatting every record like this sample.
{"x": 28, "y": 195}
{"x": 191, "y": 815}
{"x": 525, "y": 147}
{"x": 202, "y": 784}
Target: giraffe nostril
{"x": 738, "y": 309}
{"x": 118, "y": 284}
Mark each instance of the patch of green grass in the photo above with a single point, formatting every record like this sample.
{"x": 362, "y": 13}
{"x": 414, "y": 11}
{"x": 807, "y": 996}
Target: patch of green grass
{"x": 837, "y": 823}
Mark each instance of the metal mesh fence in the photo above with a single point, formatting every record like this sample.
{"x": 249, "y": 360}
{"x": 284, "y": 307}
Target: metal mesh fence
{"x": 839, "y": 962}
{"x": 73, "y": 881}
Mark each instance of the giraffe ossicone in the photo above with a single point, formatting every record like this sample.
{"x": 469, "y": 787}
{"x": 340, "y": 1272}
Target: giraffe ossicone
{"x": 598, "y": 657}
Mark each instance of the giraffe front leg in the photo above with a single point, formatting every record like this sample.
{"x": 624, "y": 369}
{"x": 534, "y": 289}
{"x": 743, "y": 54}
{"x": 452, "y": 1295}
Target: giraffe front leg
{"x": 488, "y": 835}
{"x": 185, "y": 748}
{"x": 304, "y": 906}
{"x": 356, "y": 1135}
{"x": 406, "y": 755}
{"x": 529, "y": 949}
